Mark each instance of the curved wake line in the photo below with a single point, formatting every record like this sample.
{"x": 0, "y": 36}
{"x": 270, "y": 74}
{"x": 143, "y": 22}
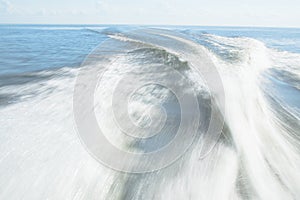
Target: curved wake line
{"x": 252, "y": 126}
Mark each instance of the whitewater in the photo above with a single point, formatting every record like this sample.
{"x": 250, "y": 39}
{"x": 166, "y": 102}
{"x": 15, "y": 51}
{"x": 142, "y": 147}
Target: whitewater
{"x": 236, "y": 104}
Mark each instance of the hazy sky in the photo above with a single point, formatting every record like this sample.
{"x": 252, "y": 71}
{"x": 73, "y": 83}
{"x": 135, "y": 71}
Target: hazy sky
{"x": 278, "y": 13}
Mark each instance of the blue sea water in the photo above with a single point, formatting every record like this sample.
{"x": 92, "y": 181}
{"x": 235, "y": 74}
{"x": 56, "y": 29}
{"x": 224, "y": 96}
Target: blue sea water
{"x": 27, "y": 48}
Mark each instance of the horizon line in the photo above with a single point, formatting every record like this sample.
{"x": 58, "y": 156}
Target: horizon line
{"x": 132, "y": 24}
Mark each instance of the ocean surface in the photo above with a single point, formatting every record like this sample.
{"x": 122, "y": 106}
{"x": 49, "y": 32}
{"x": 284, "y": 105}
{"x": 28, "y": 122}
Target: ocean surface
{"x": 257, "y": 155}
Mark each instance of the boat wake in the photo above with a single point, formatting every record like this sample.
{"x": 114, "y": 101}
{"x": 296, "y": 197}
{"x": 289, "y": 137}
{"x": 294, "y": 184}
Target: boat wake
{"x": 220, "y": 116}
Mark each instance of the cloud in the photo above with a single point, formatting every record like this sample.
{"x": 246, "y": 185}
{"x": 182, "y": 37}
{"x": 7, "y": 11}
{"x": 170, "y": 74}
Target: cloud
{"x": 5, "y": 6}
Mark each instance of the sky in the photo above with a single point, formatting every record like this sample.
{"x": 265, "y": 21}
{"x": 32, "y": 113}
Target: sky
{"x": 267, "y": 13}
